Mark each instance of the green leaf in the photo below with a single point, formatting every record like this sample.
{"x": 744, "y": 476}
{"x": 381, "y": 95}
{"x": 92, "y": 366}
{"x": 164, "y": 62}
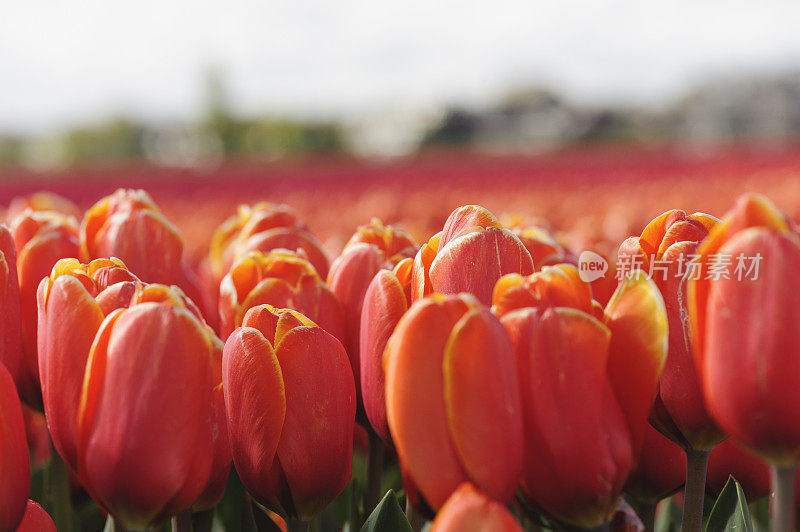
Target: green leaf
{"x": 730, "y": 511}
{"x": 387, "y": 516}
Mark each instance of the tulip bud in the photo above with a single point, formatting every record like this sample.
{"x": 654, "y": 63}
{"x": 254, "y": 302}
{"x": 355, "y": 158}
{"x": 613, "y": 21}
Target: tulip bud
{"x": 665, "y": 248}
{"x": 386, "y": 300}
{"x": 11, "y": 354}
{"x": 41, "y": 239}
{"x": 14, "y": 467}
{"x": 263, "y": 227}
{"x": 36, "y": 519}
{"x": 469, "y": 509}
{"x": 660, "y": 470}
{"x": 145, "y": 422}
{"x": 584, "y": 380}
{"x": 372, "y": 248}
{"x": 744, "y": 329}
{"x": 545, "y": 248}
{"x": 73, "y": 301}
{"x": 41, "y": 201}
{"x": 280, "y": 279}
{"x": 290, "y": 399}
{"x": 470, "y": 254}
{"x": 452, "y": 401}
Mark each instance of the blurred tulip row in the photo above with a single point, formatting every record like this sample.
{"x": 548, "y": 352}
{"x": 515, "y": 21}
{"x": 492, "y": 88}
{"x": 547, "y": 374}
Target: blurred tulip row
{"x": 490, "y": 378}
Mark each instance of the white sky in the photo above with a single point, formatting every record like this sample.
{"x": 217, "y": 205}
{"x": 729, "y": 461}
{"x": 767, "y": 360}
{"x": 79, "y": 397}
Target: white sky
{"x": 67, "y": 62}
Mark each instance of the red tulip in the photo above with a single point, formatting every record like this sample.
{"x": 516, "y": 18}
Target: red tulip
{"x": 584, "y": 380}
{"x": 36, "y": 519}
{"x": 745, "y": 329}
{"x": 73, "y": 301}
{"x": 263, "y": 227}
{"x": 470, "y": 254}
{"x": 14, "y": 467}
{"x": 468, "y": 510}
{"x": 372, "y": 248}
{"x": 452, "y": 401}
{"x": 291, "y": 405}
{"x": 666, "y": 246}
{"x": 280, "y": 279}
{"x": 386, "y": 300}
{"x": 728, "y": 459}
{"x": 11, "y": 354}
{"x": 41, "y": 239}
{"x": 146, "y": 428}
{"x": 660, "y": 470}
{"x": 37, "y": 435}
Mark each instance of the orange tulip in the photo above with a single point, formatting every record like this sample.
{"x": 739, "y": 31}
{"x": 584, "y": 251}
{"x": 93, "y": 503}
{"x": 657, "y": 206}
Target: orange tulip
{"x": 452, "y": 401}
{"x": 41, "y": 201}
{"x": 468, "y": 510}
{"x": 660, "y": 470}
{"x": 373, "y": 247}
{"x": 263, "y": 227}
{"x": 146, "y": 425}
{"x": 283, "y": 280}
{"x": 584, "y": 378}
{"x": 545, "y": 247}
{"x": 291, "y": 403}
{"x": 14, "y": 467}
{"x": 666, "y": 246}
{"x": 73, "y": 301}
{"x": 11, "y": 354}
{"x": 41, "y": 239}
{"x": 36, "y": 519}
{"x": 745, "y": 329}
{"x": 470, "y": 254}
{"x": 387, "y": 298}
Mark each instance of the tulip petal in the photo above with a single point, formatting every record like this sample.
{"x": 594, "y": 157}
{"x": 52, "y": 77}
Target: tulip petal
{"x": 468, "y": 510}
{"x": 14, "y": 466}
{"x": 465, "y": 218}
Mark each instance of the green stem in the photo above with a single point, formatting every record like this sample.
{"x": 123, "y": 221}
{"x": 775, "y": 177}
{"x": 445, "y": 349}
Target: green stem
{"x": 696, "y": 465}
{"x": 248, "y": 518}
{"x": 414, "y": 519}
{"x": 293, "y": 525}
{"x": 372, "y": 493}
{"x": 783, "y": 502}
{"x": 59, "y": 494}
{"x": 182, "y": 522}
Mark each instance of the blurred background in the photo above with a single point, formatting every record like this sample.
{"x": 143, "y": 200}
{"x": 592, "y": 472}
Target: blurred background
{"x": 595, "y": 116}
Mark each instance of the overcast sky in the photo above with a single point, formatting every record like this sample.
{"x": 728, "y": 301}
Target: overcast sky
{"x": 63, "y": 63}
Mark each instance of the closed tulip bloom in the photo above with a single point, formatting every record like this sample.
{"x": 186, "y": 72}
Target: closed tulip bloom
{"x": 73, "y": 301}
{"x": 729, "y": 460}
{"x": 372, "y": 248}
{"x": 660, "y": 470}
{"x": 745, "y": 330}
{"x": 452, "y": 401}
{"x": 470, "y": 254}
{"x": 283, "y": 280}
{"x": 469, "y": 510}
{"x": 11, "y": 354}
{"x": 41, "y": 201}
{"x": 587, "y": 383}
{"x": 14, "y": 467}
{"x": 263, "y": 227}
{"x": 387, "y": 298}
{"x": 36, "y": 519}
{"x": 41, "y": 239}
{"x": 666, "y": 246}
{"x": 545, "y": 247}
{"x": 290, "y": 398}
{"x": 146, "y": 429}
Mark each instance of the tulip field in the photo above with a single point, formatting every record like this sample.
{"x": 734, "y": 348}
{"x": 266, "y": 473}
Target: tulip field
{"x": 600, "y": 338}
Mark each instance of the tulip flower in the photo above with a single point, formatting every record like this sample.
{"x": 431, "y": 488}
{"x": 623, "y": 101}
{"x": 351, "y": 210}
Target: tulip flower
{"x": 452, "y": 401}
{"x": 470, "y": 254}
{"x": 73, "y": 301}
{"x": 743, "y": 315}
{"x": 386, "y": 300}
{"x": 585, "y": 378}
{"x": 291, "y": 405}
{"x": 666, "y": 247}
{"x": 373, "y": 247}
{"x": 14, "y": 467}
{"x": 545, "y": 247}
{"x": 469, "y": 509}
{"x": 660, "y": 470}
{"x": 41, "y": 201}
{"x": 11, "y": 354}
{"x": 283, "y": 280}
{"x": 146, "y": 423}
{"x": 41, "y": 239}
{"x": 263, "y": 227}
{"x": 36, "y": 519}
{"x": 729, "y": 459}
